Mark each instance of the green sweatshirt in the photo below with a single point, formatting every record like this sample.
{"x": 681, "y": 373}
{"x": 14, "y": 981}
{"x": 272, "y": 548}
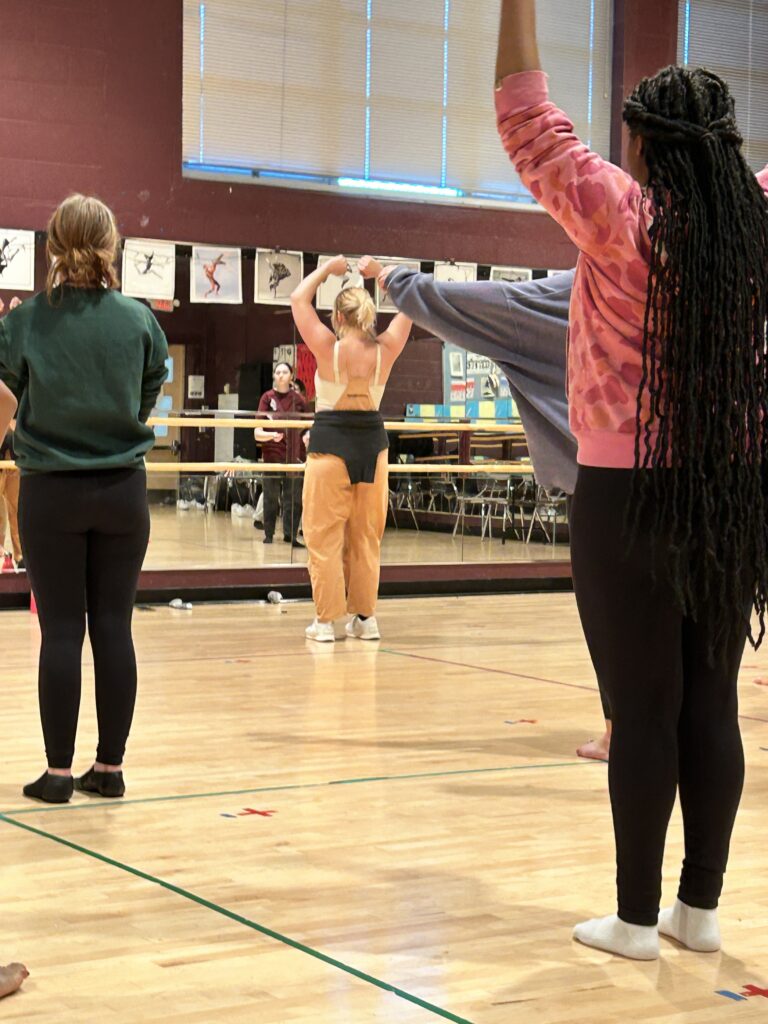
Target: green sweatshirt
{"x": 86, "y": 369}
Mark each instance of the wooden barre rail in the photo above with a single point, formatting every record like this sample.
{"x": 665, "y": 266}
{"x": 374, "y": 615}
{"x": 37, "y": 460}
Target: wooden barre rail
{"x": 257, "y": 468}
{"x": 438, "y": 429}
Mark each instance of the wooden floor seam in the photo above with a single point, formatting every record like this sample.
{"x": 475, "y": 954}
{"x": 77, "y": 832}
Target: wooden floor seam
{"x": 239, "y": 919}
{"x": 90, "y": 804}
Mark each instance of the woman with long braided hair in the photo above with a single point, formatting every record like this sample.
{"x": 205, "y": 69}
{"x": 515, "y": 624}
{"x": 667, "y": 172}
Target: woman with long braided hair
{"x": 668, "y": 394}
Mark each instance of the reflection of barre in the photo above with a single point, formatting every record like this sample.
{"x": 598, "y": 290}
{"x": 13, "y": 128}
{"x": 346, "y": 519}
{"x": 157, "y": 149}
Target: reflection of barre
{"x": 413, "y": 468}
{"x": 257, "y": 468}
{"x": 478, "y": 426}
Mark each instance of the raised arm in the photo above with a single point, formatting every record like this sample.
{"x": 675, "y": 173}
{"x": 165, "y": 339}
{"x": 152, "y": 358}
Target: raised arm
{"x": 518, "y": 48}
{"x": 309, "y": 325}
{"x": 498, "y": 319}
{"x": 598, "y": 204}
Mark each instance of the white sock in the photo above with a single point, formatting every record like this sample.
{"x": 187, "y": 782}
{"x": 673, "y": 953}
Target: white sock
{"x": 637, "y": 941}
{"x": 695, "y": 928}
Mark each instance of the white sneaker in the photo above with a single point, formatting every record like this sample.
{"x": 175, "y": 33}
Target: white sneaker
{"x": 364, "y": 629}
{"x": 182, "y": 505}
{"x": 320, "y": 631}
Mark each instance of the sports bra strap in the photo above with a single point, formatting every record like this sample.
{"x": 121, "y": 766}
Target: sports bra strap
{"x": 336, "y": 362}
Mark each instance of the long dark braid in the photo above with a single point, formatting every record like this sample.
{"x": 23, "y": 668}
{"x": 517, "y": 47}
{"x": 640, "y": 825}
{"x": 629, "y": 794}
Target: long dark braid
{"x": 702, "y": 410}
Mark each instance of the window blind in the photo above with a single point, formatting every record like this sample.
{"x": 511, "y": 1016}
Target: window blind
{"x": 393, "y": 98}
{"x": 730, "y": 37}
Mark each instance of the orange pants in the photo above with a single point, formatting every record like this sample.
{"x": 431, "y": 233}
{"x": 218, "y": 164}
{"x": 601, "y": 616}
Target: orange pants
{"x": 9, "y": 509}
{"x": 343, "y": 527}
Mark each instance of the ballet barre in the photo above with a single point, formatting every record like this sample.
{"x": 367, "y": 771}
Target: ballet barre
{"x": 240, "y": 423}
{"x": 257, "y": 468}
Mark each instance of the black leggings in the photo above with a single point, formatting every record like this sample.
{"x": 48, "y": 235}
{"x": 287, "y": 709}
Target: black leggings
{"x": 282, "y": 489}
{"x": 674, "y": 709}
{"x": 85, "y": 536}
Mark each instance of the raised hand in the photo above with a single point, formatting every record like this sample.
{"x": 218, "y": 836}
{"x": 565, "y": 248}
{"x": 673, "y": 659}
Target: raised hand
{"x": 369, "y": 267}
{"x": 337, "y": 266}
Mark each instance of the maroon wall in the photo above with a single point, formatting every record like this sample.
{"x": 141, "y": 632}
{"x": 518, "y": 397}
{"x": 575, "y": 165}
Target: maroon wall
{"x": 92, "y": 102}
{"x": 644, "y": 40}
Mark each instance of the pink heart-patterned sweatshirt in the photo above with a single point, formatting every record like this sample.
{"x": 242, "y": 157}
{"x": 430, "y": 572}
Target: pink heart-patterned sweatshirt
{"x": 604, "y": 212}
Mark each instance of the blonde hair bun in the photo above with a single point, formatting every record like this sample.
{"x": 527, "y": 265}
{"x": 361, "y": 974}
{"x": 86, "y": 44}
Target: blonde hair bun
{"x": 355, "y": 308}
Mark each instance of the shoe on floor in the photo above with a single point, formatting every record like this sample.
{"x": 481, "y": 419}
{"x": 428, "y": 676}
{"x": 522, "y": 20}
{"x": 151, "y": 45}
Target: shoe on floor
{"x": 20, "y": 566}
{"x": 53, "y": 789}
{"x": 7, "y": 563}
{"x": 268, "y": 540}
{"x": 182, "y": 505}
{"x": 110, "y": 784}
{"x": 320, "y": 631}
{"x": 364, "y": 629}
{"x": 297, "y": 544}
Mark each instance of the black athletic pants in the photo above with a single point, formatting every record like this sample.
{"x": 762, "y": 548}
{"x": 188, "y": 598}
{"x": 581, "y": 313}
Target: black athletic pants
{"x": 674, "y": 710}
{"x": 85, "y": 535}
{"x": 282, "y": 489}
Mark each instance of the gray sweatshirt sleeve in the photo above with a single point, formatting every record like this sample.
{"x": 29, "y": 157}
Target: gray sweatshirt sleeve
{"x": 522, "y": 327}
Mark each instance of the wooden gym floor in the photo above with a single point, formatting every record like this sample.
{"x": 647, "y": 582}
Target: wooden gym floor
{"x": 395, "y": 832}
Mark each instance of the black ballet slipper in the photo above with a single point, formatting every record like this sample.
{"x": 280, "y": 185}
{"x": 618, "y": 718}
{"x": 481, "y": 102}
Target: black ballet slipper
{"x": 109, "y": 784}
{"x": 53, "y": 789}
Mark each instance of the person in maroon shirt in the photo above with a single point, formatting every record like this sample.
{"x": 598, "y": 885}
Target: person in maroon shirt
{"x": 284, "y": 489}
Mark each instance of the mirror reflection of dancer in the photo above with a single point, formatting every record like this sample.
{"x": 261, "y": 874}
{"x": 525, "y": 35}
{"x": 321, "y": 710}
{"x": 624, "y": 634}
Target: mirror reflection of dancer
{"x": 346, "y": 482}
{"x": 522, "y": 326}
{"x": 281, "y": 490}
{"x": 668, "y": 389}
{"x": 9, "y": 492}
{"x": 209, "y": 269}
{"x": 11, "y": 976}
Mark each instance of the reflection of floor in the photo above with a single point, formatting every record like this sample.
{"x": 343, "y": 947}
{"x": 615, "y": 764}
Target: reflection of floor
{"x": 382, "y": 833}
{"x": 199, "y": 540}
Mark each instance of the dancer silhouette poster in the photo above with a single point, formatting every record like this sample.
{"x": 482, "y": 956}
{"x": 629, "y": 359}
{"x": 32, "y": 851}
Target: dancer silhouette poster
{"x": 277, "y": 273}
{"x": 331, "y": 286}
{"x": 149, "y": 269}
{"x": 513, "y": 274}
{"x": 461, "y": 272}
{"x": 17, "y": 260}
{"x": 216, "y": 275}
{"x": 383, "y": 304}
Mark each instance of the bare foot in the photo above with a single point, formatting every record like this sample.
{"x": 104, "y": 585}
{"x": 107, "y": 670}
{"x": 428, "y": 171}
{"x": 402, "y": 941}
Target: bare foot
{"x": 11, "y": 978}
{"x": 595, "y": 750}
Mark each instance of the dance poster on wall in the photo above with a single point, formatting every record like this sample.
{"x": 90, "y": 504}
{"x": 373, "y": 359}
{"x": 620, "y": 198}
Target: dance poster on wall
{"x": 383, "y": 303}
{"x": 512, "y": 274}
{"x": 17, "y": 260}
{"x": 149, "y": 269}
{"x": 332, "y": 285}
{"x": 461, "y": 272}
{"x": 278, "y": 271}
{"x": 216, "y": 275}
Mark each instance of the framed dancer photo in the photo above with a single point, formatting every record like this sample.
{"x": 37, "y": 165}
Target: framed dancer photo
{"x": 17, "y": 260}
{"x": 216, "y": 275}
{"x": 513, "y": 274}
{"x": 383, "y": 304}
{"x": 149, "y": 269}
{"x": 330, "y": 288}
{"x": 450, "y": 271}
{"x": 278, "y": 271}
